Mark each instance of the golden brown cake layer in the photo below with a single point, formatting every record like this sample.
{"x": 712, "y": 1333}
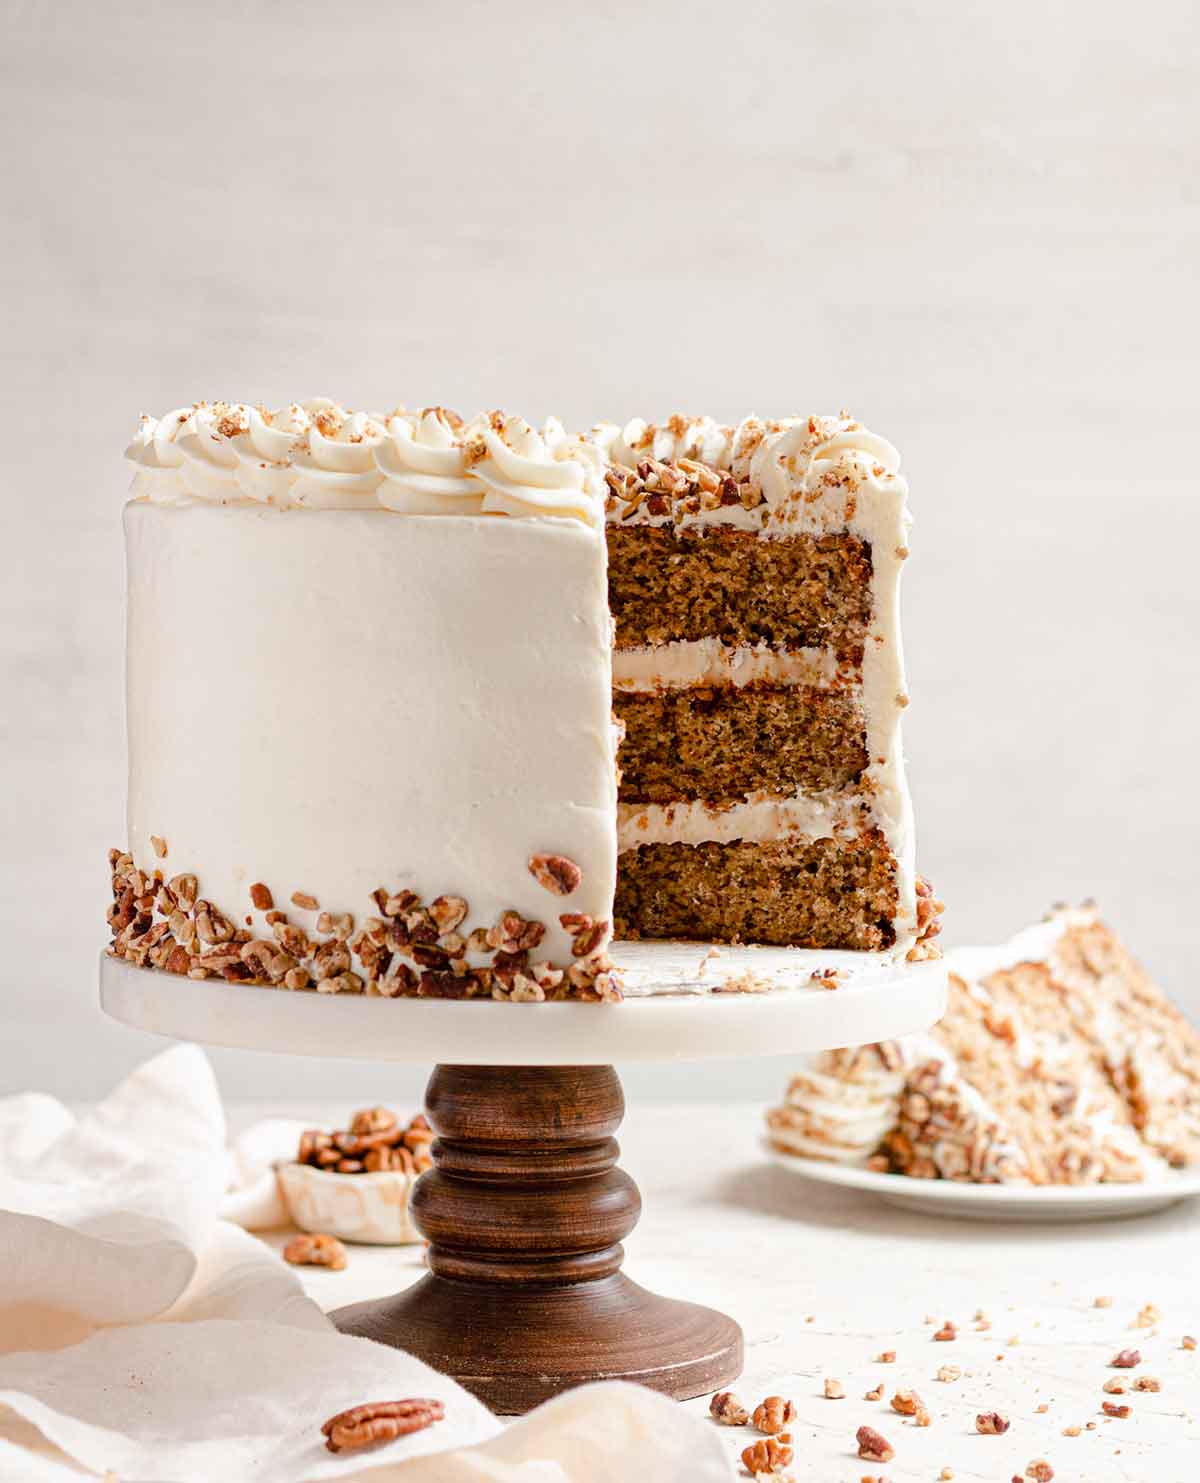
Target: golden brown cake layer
{"x": 797, "y": 591}
{"x": 721, "y": 743}
{"x": 824, "y": 893}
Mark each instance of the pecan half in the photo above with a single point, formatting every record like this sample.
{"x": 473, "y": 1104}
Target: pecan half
{"x": 773, "y": 1415}
{"x": 379, "y": 1422}
{"x": 555, "y": 873}
{"x": 769, "y": 1454}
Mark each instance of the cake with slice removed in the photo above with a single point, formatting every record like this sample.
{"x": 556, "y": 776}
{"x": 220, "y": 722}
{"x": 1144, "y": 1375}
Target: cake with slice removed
{"x": 1058, "y": 1062}
{"x": 371, "y": 684}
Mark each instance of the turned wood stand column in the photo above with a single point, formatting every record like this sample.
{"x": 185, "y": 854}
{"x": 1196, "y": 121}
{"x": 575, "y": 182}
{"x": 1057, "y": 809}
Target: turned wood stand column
{"x": 525, "y": 1211}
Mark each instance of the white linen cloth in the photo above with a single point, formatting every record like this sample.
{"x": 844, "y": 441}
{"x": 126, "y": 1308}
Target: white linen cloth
{"x": 145, "y": 1339}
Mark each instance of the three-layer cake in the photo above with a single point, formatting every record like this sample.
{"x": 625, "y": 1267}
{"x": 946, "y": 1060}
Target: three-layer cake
{"x": 377, "y": 719}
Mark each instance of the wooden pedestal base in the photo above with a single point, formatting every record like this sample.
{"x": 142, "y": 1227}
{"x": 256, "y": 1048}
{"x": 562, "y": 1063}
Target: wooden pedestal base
{"x": 525, "y": 1210}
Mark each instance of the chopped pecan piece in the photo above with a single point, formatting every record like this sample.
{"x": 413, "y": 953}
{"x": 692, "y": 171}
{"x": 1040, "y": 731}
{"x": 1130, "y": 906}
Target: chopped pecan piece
{"x": 992, "y": 1423}
{"x": 315, "y": 1250}
{"x": 873, "y": 1446}
{"x": 1126, "y": 1359}
{"x": 727, "y": 1409}
{"x": 906, "y": 1402}
{"x": 260, "y": 897}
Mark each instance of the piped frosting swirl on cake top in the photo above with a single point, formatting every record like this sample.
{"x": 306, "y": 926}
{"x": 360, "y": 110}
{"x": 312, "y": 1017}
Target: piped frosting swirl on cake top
{"x": 318, "y": 455}
{"x": 796, "y": 474}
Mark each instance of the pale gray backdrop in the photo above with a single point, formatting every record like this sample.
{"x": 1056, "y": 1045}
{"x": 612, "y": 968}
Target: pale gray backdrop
{"x": 976, "y": 225}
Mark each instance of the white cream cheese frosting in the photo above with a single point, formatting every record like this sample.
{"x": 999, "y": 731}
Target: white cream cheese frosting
{"x": 317, "y": 455}
{"x": 333, "y": 705}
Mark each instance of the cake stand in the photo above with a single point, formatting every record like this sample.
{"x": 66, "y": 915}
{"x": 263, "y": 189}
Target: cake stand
{"x": 525, "y": 1208}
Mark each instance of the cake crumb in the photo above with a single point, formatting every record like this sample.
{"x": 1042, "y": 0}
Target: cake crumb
{"x": 1188, "y": 1342}
{"x": 1146, "y": 1382}
{"x": 1040, "y": 1471}
{"x": 1104, "y": 1302}
{"x": 1114, "y": 1386}
{"x": 874, "y": 1395}
{"x": 888, "y": 1357}
{"x": 946, "y": 1333}
{"x": 835, "y": 1390}
{"x": 1147, "y": 1317}
{"x": 1042, "y": 1409}
{"x": 1071, "y": 1431}
{"x": 949, "y": 1374}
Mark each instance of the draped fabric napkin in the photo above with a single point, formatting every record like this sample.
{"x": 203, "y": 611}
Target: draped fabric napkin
{"x": 146, "y": 1339}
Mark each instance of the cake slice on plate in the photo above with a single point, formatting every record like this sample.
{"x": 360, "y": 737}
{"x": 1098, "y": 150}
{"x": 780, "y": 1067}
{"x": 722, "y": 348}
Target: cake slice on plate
{"x": 1058, "y": 1062}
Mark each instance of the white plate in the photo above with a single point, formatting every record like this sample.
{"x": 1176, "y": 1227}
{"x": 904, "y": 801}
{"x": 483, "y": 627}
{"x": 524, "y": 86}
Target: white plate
{"x": 947, "y": 1197}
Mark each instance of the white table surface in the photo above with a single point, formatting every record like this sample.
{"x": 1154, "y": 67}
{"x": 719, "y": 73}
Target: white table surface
{"x": 823, "y": 1279}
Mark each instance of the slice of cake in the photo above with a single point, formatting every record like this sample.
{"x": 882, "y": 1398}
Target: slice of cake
{"x": 753, "y": 579}
{"x": 1058, "y": 1062}
{"x": 371, "y": 693}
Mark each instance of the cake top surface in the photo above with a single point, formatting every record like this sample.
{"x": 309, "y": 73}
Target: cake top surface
{"x": 814, "y": 472}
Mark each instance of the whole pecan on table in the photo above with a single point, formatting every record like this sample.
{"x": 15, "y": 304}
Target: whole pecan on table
{"x": 380, "y": 1421}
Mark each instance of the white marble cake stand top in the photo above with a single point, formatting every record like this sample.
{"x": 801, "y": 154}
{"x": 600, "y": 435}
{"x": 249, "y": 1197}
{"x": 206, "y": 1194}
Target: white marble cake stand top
{"x": 672, "y": 1013}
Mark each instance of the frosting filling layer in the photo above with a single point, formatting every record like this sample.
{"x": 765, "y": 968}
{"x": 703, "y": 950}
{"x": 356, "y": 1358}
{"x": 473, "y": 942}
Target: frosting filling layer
{"x": 761, "y": 819}
{"x": 688, "y": 662}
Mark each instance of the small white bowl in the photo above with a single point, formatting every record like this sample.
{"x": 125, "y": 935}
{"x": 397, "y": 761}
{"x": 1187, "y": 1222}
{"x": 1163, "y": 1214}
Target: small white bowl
{"x": 369, "y": 1208}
